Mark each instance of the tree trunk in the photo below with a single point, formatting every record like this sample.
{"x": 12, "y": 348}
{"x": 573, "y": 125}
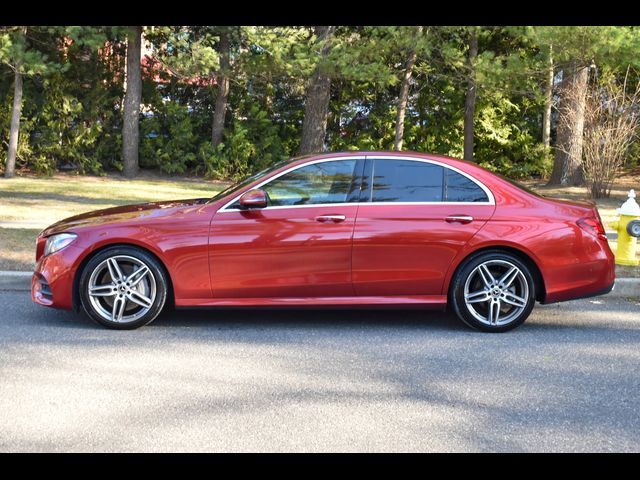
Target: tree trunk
{"x": 222, "y": 80}
{"x": 548, "y": 98}
{"x": 132, "y": 98}
{"x": 567, "y": 167}
{"x": 316, "y": 109}
{"x": 470, "y": 97}
{"x": 404, "y": 94}
{"x": 14, "y": 131}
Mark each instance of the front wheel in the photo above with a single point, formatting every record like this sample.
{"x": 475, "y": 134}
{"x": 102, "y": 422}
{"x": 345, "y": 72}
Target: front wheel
{"x": 123, "y": 288}
{"x": 493, "y": 292}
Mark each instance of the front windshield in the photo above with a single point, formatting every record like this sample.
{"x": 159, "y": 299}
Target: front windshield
{"x": 246, "y": 181}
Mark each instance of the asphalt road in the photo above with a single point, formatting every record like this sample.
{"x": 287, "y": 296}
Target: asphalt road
{"x": 567, "y": 380}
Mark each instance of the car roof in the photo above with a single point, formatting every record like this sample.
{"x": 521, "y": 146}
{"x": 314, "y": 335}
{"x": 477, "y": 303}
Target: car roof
{"x": 386, "y": 153}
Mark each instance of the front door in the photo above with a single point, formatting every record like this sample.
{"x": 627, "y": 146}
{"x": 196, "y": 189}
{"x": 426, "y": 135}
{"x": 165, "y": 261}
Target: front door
{"x": 299, "y": 245}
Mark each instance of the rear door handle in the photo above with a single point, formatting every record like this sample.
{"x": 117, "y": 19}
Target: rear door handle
{"x": 330, "y": 218}
{"x": 459, "y": 219}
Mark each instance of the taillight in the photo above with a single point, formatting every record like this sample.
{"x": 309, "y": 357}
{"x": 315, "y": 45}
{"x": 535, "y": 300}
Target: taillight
{"x": 593, "y": 226}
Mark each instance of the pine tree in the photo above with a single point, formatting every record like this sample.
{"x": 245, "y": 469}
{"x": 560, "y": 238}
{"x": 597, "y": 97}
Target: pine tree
{"x": 132, "y": 99}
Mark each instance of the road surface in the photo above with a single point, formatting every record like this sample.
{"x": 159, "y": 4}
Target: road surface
{"x": 566, "y": 380}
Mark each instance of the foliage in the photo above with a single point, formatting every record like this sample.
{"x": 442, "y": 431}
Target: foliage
{"x": 168, "y": 138}
{"x": 73, "y": 91}
{"x": 611, "y": 125}
{"x": 63, "y": 137}
{"x": 601, "y": 45}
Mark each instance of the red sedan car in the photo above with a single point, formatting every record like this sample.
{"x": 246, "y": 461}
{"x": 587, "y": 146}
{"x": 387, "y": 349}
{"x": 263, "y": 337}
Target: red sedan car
{"x": 345, "y": 229}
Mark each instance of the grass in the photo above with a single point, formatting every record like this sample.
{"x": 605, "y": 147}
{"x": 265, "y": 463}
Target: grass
{"x": 17, "y": 248}
{"x": 29, "y": 204}
{"x": 46, "y": 200}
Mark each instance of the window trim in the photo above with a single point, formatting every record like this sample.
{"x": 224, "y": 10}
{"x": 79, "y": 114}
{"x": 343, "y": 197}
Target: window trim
{"x": 488, "y": 192}
{"x": 490, "y": 196}
{"x": 291, "y": 169}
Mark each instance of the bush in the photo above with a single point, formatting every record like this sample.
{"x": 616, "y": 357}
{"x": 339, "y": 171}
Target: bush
{"x": 250, "y": 144}
{"x": 611, "y": 123}
{"x": 60, "y": 135}
{"x": 167, "y": 139}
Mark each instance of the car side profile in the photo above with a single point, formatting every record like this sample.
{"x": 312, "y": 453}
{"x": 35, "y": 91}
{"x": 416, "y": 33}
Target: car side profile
{"x": 386, "y": 229}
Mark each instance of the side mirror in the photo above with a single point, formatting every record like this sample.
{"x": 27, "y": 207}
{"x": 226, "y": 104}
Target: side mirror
{"x": 253, "y": 199}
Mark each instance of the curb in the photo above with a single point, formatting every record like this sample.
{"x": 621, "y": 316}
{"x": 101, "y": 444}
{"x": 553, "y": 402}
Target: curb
{"x": 21, "y": 281}
{"x": 626, "y": 287}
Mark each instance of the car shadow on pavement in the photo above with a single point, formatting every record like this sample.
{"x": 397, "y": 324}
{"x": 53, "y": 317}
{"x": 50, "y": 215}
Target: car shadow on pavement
{"x": 544, "y": 318}
{"x": 292, "y": 318}
{"x": 257, "y": 318}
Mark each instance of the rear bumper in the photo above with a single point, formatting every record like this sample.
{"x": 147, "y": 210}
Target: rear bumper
{"x": 591, "y": 275}
{"x": 597, "y": 293}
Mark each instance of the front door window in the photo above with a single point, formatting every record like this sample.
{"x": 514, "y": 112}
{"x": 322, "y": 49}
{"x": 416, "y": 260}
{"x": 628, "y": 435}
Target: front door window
{"x": 318, "y": 183}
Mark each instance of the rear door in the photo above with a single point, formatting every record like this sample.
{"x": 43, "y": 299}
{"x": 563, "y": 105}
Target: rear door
{"x": 414, "y": 217}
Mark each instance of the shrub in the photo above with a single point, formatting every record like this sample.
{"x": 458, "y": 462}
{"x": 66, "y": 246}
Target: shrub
{"x": 611, "y": 123}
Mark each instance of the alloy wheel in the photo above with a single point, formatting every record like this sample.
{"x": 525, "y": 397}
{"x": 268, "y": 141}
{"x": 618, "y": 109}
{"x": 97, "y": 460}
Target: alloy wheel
{"x": 496, "y": 292}
{"x": 122, "y": 289}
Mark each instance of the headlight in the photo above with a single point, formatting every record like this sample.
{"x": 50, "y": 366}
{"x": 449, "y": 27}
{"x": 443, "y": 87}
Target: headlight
{"x": 58, "y": 242}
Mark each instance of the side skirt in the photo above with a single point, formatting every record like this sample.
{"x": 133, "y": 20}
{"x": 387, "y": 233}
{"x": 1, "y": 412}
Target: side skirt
{"x": 435, "y": 302}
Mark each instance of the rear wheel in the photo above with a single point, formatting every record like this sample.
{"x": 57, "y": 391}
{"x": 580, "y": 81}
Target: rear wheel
{"x": 123, "y": 288}
{"x": 493, "y": 292}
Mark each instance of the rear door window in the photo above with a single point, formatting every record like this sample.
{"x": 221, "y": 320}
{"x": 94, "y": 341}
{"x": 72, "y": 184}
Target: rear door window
{"x": 407, "y": 181}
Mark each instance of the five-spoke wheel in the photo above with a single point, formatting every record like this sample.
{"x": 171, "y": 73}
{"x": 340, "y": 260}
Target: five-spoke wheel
{"x": 493, "y": 292}
{"x": 123, "y": 287}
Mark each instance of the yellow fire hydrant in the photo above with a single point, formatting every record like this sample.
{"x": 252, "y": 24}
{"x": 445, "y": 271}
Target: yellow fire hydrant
{"x": 628, "y": 227}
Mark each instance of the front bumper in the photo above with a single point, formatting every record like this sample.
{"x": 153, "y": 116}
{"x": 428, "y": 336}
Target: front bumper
{"x": 52, "y": 280}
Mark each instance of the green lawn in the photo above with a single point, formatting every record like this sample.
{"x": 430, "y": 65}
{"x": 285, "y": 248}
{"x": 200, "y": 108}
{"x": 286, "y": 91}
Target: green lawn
{"x": 29, "y": 204}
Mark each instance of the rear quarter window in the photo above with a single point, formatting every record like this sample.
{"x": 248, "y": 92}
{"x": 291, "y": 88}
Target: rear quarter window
{"x": 458, "y": 188}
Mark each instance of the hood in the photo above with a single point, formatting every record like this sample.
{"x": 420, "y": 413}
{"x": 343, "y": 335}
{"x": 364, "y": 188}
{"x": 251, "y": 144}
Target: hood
{"x": 126, "y": 213}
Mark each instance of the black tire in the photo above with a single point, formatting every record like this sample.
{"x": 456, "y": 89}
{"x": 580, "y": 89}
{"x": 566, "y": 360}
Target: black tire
{"x": 153, "y": 287}
{"x": 499, "y": 261}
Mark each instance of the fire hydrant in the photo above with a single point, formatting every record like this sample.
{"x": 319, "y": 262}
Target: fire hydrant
{"x": 628, "y": 227}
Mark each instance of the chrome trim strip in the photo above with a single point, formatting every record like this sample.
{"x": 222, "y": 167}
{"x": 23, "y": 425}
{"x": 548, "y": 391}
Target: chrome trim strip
{"x": 491, "y": 201}
{"x": 458, "y": 218}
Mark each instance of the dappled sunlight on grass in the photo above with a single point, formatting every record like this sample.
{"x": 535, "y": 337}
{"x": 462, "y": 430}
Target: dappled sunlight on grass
{"x": 47, "y": 200}
{"x": 29, "y": 204}
{"x": 17, "y": 248}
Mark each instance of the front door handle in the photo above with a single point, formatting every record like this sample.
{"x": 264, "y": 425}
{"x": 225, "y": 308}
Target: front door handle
{"x": 459, "y": 219}
{"x": 330, "y": 218}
